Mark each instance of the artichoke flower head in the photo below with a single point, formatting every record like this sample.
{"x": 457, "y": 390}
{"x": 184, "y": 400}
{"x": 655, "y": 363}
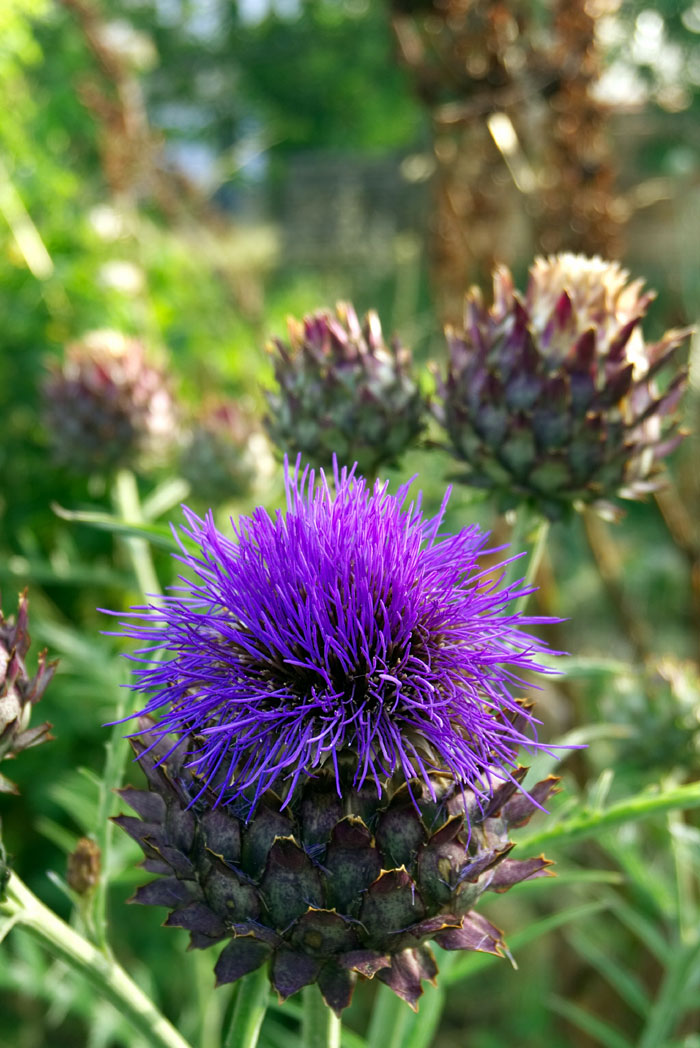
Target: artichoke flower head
{"x": 330, "y": 739}
{"x": 343, "y": 391}
{"x": 551, "y": 397}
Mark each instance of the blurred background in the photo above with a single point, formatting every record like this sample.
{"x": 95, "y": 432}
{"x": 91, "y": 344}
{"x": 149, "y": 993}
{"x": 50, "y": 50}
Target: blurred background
{"x": 190, "y": 172}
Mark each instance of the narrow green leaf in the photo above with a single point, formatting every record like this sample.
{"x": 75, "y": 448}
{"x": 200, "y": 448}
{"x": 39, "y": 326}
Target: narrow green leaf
{"x": 166, "y": 496}
{"x": 600, "y": 1031}
{"x": 589, "y": 823}
{"x": 57, "y": 834}
{"x": 156, "y": 534}
{"x": 471, "y": 963}
{"x": 422, "y": 1026}
{"x": 667, "y": 1010}
{"x": 652, "y": 892}
{"x": 74, "y": 573}
{"x": 389, "y": 1018}
{"x": 277, "y": 1035}
{"x": 626, "y": 983}
{"x": 641, "y": 927}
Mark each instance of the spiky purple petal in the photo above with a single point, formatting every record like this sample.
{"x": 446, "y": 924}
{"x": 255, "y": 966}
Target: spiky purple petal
{"x": 349, "y": 625}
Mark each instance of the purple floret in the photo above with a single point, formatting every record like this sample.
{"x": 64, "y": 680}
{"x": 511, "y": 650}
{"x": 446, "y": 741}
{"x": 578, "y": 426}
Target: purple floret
{"x": 348, "y": 627}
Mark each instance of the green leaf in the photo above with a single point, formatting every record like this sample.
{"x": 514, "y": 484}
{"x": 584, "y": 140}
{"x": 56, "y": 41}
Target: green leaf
{"x": 653, "y": 893}
{"x": 156, "y": 534}
{"x": 591, "y": 823}
{"x": 53, "y": 573}
{"x": 679, "y": 979}
{"x": 471, "y": 963}
{"x": 641, "y": 927}
{"x": 389, "y": 1020}
{"x": 57, "y": 834}
{"x": 626, "y": 983}
{"x": 167, "y": 495}
{"x": 600, "y": 1031}
{"x": 423, "y": 1025}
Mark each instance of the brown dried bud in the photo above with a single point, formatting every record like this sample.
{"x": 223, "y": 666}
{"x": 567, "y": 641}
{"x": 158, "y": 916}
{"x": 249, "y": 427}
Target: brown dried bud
{"x": 84, "y": 866}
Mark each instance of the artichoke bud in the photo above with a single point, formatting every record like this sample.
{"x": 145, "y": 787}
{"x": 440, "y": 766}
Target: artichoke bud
{"x": 551, "y": 397}
{"x": 18, "y": 690}
{"x": 83, "y": 869}
{"x": 223, "y": 453}
{"x": 105, "y": 406}
{"x": 342, "y": 390}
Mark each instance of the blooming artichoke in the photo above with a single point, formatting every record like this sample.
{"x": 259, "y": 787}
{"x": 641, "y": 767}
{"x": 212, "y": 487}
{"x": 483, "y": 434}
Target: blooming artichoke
{"x": 222, "y": 453}
{"x": 551, "y": 398}
{"x": 105, "y": 406}
{"x": 334, "y": 771}
{"x": 343, "y": 391}
{"x": 18, "y": 690}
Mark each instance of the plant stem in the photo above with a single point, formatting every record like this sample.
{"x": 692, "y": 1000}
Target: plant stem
{"x": 103, "y": 973}
{"x": 320, "y": 1026}
{"x": 528, "y": 526}
{"x": 607, "y": 560}
{"x": 515, "y": 544}
{"x": 533, "y": 567}
{"x": 116, "y": 752}
{"x": 681, "y": 528}
{"x": 590, "y": 823}
{"x": 249, "y": 1011}
{"x": 128, "y": 506}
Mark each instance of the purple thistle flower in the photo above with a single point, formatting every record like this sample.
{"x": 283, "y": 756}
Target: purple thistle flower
{"x": 348, "y": 633}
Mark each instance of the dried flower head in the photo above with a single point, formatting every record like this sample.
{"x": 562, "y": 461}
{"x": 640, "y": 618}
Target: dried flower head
{"x": 83, "y": 867}
{"x": 18, "y": 690}
{"x": 551, "y": 397}
{"x": 350, "y": 626}
{"x": 105, "y": 406}
{"x": 343, "y": 391}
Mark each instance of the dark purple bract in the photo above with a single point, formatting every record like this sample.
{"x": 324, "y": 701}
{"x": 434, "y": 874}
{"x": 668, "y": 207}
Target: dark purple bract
{"x": 347, "y": 628}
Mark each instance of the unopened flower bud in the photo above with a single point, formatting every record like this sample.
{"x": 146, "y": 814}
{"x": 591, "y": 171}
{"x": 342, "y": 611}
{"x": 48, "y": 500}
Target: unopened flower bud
{"x": 83, "y": 871}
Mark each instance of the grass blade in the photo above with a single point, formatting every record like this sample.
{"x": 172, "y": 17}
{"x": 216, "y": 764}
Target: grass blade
{"x": 600, "y": 1031}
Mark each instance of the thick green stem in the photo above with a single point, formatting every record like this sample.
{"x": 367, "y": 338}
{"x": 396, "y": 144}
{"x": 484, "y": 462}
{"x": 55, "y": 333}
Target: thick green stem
{"x": 103, "y": 973}
{"x": 128, "y": 506}
{"x": 320, "y": 1026}
{"x": 528, "y": 527}
{"x": 115, "y": 759}
{"x": 251, "y": 1004}
{"x": 515, "y": 545}
{"x": 533, "y": 566}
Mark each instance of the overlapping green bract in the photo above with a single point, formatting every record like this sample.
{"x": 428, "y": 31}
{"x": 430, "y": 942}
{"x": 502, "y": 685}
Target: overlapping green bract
{"x": 342, "y": 391}
{"x": 18, "y": 690}
{"x": 105, "y": 406}
{"x": 328, "y": 888}
{"x": 550, "y": 398}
